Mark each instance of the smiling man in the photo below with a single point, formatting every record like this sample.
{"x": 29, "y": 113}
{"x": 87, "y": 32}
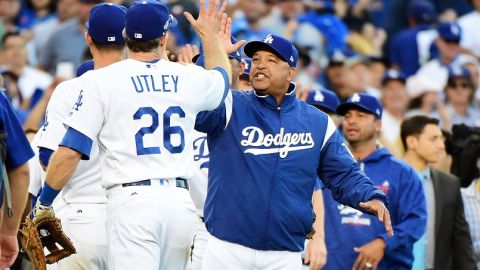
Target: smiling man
{"x": 258, "y": 208}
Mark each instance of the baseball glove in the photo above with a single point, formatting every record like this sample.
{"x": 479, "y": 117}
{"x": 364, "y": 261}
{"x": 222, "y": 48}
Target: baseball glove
{"x": 44, "y": 233}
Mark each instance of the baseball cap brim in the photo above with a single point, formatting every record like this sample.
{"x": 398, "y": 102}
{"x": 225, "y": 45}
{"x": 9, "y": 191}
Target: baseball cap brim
{"x": 342, "y": 109}
{"x": 254, "y": 46}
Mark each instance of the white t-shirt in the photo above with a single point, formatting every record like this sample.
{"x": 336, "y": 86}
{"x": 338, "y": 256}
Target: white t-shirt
{"x": 143, "y": 115}
{"x": 470, "y": 38}
{"x": 33, "y": 79}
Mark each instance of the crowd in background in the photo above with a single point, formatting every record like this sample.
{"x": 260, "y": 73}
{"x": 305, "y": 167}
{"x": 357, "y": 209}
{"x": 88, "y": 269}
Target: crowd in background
{"x": 417, "y": 57}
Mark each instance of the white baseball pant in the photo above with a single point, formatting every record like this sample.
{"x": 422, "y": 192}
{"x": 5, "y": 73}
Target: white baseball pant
{"x": 223, "y": 255}
{"x": 149, "y": 227}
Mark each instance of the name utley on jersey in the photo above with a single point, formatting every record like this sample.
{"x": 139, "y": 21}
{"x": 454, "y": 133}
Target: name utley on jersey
{"x": 143, "y": 115}
{"x": 84, "y": 186}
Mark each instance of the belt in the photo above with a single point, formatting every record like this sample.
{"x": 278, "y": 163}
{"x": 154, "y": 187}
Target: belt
{"x": 180, "y": 182}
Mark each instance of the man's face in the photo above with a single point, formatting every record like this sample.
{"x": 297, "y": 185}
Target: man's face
{"x": 67, "y": 9}
{"x": 253, "y": 9}
{"x": 360, "y": 126}
{"x": 429, "y": 144}
{"x": 290, "y": 8}
{"x": 269, "y": 74}
{"x": 394, "y": 96}
{"x": 15, "y": 51}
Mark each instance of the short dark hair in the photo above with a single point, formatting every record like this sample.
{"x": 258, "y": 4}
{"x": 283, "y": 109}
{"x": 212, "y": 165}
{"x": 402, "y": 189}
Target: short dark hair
{"x": 8, "y": 35}
{"x": 142, "y": 46}
{"x": 414, "y": 126}
{"x": 108, "y": 47}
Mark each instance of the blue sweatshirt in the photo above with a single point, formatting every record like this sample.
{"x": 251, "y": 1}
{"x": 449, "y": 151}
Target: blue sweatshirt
{"x": 346, "y": 228}
{"x": 264, "y": 159}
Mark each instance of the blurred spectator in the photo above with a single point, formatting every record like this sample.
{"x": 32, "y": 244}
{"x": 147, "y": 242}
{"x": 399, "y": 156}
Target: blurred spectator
{"x": 69, "y": 35}
{"x": 66, "y": 10}
{"x": 182, "y": 34}
{"x": 283, "y": 12}
{"x": 395, "y": 102}
{"x": 459, "y": 94}
{"x": 322, "y": 16}
{"x": 378, "y": 67}
{"x": 410, "y": 48}
{"x": 246, "y": 21}
{"x": 469, "y": 24}
{"x": 471, "y": 201}
{"x": 357, "y": 76}
{"x": 357, "y": 239}
{"x": 31, "y": 81}
{"x": 424, "y": 95}
{"x": 449, "y": 53}
{"x": 334, "y": 76}
{"x": 9, "y": 10}
{"x": 306, "y": 72}
{"x": 13, "y": 94}
{"x": 447, "y": 243}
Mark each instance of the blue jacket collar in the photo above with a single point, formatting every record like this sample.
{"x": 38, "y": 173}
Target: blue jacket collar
{"x": 288, "y": 100}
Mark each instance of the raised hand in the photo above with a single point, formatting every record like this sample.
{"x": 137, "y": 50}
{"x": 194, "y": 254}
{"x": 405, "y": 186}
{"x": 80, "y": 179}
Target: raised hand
{"x": 225, "y": 34}
{"x": 209, "y": 18}
{"x": 187, "y": 53}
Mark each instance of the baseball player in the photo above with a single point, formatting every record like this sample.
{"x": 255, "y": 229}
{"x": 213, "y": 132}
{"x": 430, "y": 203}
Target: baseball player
{"x": 83, "y": 200}
{"x": 266, "y": 150}
{"x": 142, "y": 112}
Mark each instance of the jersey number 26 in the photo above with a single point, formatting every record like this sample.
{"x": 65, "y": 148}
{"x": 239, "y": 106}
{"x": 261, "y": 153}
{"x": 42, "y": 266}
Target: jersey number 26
{"x": 168, "y": 130}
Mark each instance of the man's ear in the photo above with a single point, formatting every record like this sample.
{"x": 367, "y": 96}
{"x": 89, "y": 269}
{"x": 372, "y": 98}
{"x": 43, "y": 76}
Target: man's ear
{"x": 411, "y": 141}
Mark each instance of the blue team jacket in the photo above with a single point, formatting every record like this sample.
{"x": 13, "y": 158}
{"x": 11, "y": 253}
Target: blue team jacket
{"x": 264, "y": 160}
{"x": 346, "y": 228}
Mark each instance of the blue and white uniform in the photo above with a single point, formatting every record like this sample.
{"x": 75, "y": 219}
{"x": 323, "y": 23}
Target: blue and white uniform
{"x": 264, "y": 159}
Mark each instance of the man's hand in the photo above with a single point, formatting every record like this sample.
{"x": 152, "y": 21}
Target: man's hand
{"x": 42, "y": 212}
{"x": 316, "y": 253}
{"x": 9, "y": 249}
{"x": 378, "y": 208}
{"x": 369, "y": 255}
{"x": 225, "y": 34}
{"x": 187, "y": 53}
{"x": 209, "y": 18}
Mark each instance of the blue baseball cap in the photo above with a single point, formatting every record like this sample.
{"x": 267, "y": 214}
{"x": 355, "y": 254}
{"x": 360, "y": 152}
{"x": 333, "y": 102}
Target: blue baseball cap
{"x": 393, "y": 75}
{"x": 422, "y": 11}
{"x": 84, "y": 67}
{"x": 148, "y": 20}
{"x": 106, "y": 23}
{"x": 323, "y": 99}
{"x": 281, "y": 46}
{"x": 458, "y": 71}
{"x": 248, "y": 65}
{"x": 364, "y": 102}
{"x": 450, "y": 31}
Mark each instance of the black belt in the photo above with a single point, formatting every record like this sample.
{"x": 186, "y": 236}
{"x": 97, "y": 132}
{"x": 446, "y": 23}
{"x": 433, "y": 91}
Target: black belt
{"x": 180, "y": 182}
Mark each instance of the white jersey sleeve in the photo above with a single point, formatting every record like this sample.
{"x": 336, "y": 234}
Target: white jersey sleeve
{"x": 52, "y": 131}
{"x": 199, "y": 181}
{"x": 37, "y": 175}
{"x": 86, "y": 114}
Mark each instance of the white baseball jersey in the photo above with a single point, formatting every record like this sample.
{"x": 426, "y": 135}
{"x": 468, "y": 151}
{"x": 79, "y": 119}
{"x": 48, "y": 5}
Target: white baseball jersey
{"x": 199, "y": 181}
{"x": 143, "y": 115}
{"x": 85, "y": 184}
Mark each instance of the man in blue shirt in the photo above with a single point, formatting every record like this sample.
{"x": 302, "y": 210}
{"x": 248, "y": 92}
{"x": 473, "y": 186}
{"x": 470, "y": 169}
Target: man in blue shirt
{"x": 358, "y": 240}
{"x": 18, "y": 152}
{"x": 266, "y": 150}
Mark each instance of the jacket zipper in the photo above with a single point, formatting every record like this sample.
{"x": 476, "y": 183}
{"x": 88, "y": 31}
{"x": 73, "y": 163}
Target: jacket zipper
{"x": 262, "y": 243}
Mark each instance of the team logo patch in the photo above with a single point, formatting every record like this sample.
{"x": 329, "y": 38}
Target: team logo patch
{"x": 385, "y": 187}
{"x": 200, "y": 149}
{"x": 268, "y": 39}
{"x": 356, "y": 97}
{"x": 259, "y": 143}
{"x": 79, "y": 102}
{"x": 353, "y": 217}
{"x": 318, "y": 96}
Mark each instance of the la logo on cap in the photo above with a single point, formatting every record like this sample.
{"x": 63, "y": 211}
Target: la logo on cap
{"x": 319, "y": 96}
{"x": 291, "y": 58}
{"x": 268, "y": 39}
{"x": 356, "y": 97}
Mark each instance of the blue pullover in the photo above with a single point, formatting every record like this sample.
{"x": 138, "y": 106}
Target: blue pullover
{"x": 346, "y": 228}
{"x": 264, "y": 160}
